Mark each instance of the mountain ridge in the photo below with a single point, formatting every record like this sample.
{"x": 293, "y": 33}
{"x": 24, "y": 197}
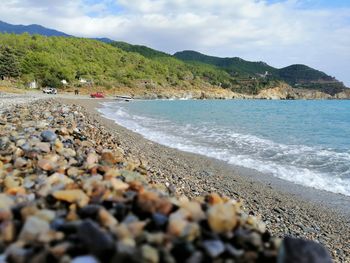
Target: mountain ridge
{"x": 31, "y": 29}
{"x": 296, "y": 75}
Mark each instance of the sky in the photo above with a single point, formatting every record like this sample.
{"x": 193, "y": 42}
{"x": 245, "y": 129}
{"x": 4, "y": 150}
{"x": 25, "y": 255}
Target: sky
{"x": 278, "y": 32}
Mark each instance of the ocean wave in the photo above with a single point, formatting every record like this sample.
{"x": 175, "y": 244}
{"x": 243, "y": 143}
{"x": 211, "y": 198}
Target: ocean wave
{"x": 320, "y": 168}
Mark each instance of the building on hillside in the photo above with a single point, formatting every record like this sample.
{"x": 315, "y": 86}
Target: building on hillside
{"x": 264, "y": 75}
{"x": 64, "y": 82}
{"x": 83, "y": 81}
{"x": 32, "y": 85}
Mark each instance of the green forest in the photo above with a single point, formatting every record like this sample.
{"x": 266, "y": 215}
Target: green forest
{"x": 49, "y": 60}
{"x": 298, "y": 76}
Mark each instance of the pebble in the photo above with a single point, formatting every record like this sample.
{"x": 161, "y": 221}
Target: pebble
{"x": 110, "y": 157}
{"x": 85, "y": 259}
{"x": 43, "y": 146}
{"x": 46, "y": 165}
{"x": 222, "y": 217}
{"x": 303, "y": 251}
{"x": 119, "y": 185}
{"x": 20, "y": 162}
{"x": 6, "y": 202}
{"x": 97, "y": 241}
{"x": 33, "y": 228}
{"x": 48, "y": 136}
{"x": 149, "y": 254}
{"x": 213, "y": 247}
{"x": 72, "y": 196}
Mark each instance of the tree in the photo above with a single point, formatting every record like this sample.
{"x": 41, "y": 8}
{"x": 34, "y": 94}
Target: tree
{"x": 9, "y": 65}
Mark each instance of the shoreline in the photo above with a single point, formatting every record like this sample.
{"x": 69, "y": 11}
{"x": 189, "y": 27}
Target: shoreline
{"x": 288, "y": 209}
{"x": 336, "y": 201}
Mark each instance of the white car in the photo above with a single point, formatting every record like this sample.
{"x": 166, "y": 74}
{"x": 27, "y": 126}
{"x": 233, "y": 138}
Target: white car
{"x": 49, "y": 90}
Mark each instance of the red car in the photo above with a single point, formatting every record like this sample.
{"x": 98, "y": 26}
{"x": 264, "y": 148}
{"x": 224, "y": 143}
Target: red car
{"x": 97, "y": 95}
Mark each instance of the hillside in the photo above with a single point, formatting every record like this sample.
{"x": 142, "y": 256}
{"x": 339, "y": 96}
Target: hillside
{"x": 52, "y": 59}
{"x": 142, "y": 50}
{"x": 238, "y": 81}
{"x": 298, "y": 76}
{"x": 306, "y": 77}
{"x": 232, "y": 65}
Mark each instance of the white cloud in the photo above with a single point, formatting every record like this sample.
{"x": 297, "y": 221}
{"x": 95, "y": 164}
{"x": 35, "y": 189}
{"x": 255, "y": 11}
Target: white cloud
{"x": 280, "y": 34}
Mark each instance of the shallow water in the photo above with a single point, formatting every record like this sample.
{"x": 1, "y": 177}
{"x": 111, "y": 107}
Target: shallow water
{"x": 305, "y": 142}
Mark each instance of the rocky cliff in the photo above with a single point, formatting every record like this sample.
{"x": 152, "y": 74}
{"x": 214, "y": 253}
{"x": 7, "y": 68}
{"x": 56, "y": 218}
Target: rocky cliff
{"x": 281, "y": 92}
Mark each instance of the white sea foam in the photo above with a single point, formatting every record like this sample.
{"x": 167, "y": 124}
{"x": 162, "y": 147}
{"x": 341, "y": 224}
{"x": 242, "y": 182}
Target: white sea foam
{"x": 323, "y": 169}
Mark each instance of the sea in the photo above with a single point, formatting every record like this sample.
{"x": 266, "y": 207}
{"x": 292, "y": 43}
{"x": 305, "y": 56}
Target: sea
{"x": 306, "y": 142}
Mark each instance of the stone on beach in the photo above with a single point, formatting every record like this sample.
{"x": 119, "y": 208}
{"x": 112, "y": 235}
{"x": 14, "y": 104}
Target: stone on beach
{"x": 295, "y": 250}
{"x": 33, "y": 228}
{"x": 72, "y": 196}
{"x": 222, "y": 217}
{"x": 48, "y": 136}
{"x": 6, "y": 202}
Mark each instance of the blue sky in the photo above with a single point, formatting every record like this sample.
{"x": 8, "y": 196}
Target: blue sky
{"x": 311, "y": 32}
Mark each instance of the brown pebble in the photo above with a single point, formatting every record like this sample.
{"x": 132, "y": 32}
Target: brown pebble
{"x": 222, "y": 217}
{"x": 119, "y": 185}
{"x": 20, "y": 162}
{"x": 16, "y": 190}
{"x": 106, "y": 219}
{"x": 44, "y": 146}
{"x": 60, "y": 249}
{"x": 110, "y": 157}
{"x": 28, "y": 211}
{"x": 72, "y": 196}
{"x": 151, "y": 202}
{"x": 46, "y": 165}
{"x": 194, "y": 210}
{"x": 10, "y": 182}
{"x": 7, "y": 231}
{"x": 214, "y": 199}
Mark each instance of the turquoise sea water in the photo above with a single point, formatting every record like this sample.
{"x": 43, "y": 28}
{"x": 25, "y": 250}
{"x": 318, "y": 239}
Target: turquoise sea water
{"x": 305, "y": 142}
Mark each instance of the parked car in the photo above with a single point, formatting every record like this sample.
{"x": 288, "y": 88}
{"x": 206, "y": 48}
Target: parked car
{"x": 49, "y": 90}
{"x": 99, "y": 95}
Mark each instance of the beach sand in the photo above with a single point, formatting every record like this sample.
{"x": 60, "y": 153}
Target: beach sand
{"x": 287, "y": 209}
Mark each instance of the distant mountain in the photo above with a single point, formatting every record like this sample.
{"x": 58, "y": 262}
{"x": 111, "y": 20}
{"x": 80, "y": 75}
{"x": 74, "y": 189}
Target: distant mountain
{"x": 298, "y": 73}
{"x": 143, "y": 50}
{"x": 40, "y": 30}
{"x": 104, "y": 40}
{"x": 232, "y": 65}
{"x": 303, "y": 76}
{"x": 298, "y": 76}
{"x": 31, "y": 29}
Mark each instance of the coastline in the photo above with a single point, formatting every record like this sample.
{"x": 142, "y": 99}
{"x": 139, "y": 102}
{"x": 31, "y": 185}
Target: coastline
{"x": 287, "y": 209}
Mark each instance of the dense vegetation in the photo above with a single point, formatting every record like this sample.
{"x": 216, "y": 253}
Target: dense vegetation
{"x": 233, "y": 65}
{"x": 49, "y": 60}
{"x": 52, "y": 59}
{"x": 142, "y": 50}
{"x": 300, "y": 73}
{"x": 239, "y": 81}
{"x": 298, "y": 76}
{"x": 309, "y": 78}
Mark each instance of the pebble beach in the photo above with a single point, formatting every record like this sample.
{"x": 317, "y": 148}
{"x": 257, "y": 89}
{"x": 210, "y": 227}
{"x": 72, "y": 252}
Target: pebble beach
{"x": 76, "y": 187}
